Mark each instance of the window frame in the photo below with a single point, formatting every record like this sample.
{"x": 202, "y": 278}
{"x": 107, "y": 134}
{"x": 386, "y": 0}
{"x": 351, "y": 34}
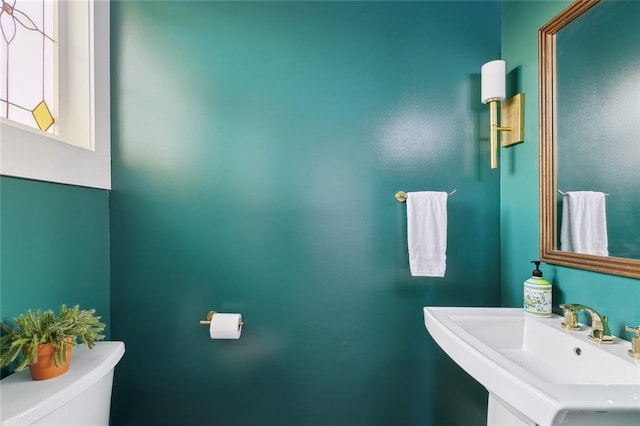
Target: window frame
{"x": 32, "y": 154}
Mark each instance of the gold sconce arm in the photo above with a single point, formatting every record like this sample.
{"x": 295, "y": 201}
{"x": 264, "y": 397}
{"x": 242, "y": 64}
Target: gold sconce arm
{"x": 512, "y": 111}
{"x": 493, "y": 133}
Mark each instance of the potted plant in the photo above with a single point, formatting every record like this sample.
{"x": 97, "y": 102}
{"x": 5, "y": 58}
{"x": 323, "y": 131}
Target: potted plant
{"x": 45, "y": 340}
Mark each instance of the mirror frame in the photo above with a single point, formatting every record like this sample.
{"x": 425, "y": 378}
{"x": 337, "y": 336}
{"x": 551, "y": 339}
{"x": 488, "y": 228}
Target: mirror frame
{"x": 548, "y": 177}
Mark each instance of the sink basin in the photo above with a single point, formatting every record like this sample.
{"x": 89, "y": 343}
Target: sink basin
{"x": 536, "y": 371}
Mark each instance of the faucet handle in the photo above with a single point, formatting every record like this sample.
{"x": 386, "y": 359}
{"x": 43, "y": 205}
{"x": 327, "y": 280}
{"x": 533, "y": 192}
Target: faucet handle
{"x": 635, "y": 341}
{"x": 633, "y": 329}
{"x": 567, "y": 307}
{"x": 570, "y": 317}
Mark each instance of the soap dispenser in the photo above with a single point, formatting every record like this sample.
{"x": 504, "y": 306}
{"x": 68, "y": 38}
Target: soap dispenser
{"x": 537, "y": 294}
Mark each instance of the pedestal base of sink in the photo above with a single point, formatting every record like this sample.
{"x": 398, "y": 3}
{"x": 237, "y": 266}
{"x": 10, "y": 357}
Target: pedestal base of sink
{"x": 499, "y": 413}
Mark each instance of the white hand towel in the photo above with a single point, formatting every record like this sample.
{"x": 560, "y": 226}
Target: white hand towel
{"x": 584, "y": 223}
{"x": 427, "y": 233}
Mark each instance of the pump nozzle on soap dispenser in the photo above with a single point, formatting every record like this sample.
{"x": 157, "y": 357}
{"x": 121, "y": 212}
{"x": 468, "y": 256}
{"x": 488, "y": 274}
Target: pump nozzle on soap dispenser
{"x": 536, "y": 272}
{"x": 537, "y": 293}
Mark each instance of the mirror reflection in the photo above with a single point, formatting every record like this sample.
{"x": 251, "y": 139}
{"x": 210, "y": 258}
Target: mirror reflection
{"x": 598, "y": 131}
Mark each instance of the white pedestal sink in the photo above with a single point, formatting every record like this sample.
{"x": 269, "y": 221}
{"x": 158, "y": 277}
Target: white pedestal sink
{"x": 536, "y": 372}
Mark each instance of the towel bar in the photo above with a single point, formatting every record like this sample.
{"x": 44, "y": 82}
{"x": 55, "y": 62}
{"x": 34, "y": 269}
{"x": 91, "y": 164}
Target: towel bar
{"x": 564, "y": 193}
{"x": 402, "y": 196}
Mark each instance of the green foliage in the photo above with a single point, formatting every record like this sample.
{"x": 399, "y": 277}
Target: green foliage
{"x": 32, "y": 329}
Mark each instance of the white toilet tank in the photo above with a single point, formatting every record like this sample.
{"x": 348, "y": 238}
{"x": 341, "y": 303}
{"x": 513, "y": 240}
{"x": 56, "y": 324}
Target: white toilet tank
{"x": 81, "y": 396}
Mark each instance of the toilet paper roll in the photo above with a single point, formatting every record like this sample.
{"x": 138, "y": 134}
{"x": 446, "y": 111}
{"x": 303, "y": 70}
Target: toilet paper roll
{"x": 225, "y": 326}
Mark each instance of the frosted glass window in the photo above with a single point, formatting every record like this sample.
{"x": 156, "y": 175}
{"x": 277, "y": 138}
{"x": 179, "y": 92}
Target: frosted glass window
{"x": 28, "y": 58}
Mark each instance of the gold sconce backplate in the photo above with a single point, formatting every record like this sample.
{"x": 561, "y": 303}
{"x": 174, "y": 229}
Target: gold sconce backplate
{"x": 512, "y": 116}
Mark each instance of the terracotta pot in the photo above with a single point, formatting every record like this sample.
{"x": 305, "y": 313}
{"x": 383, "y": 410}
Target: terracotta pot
{"x": 46, "y": 368}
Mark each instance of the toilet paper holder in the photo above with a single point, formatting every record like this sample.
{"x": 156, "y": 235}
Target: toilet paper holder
{"x": 210, "y": 315}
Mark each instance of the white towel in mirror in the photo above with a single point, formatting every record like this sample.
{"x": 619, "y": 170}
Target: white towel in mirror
{"x": 584, "y": 223}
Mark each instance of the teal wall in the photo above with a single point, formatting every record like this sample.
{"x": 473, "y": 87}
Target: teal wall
{"x": 256, "y": 151}
{"x": 54, "y": 247}
{"x": 617, "y": 297}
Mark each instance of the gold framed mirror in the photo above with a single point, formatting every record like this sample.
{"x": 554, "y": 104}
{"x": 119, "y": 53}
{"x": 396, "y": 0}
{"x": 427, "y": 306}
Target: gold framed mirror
{"x": 549, "y": 120}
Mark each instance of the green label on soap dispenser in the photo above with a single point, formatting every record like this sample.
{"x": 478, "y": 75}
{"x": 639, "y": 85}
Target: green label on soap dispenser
{"x": 537, "y": 299}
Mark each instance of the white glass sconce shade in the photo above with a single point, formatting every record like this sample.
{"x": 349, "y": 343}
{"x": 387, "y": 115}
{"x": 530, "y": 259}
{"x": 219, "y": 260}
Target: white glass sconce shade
{"x": 492, "y": 92}
{"x": 493, "y": 81}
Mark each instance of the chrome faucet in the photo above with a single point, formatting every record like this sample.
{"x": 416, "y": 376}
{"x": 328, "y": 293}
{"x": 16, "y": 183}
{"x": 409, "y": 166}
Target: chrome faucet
{"x": 599, "y": 326}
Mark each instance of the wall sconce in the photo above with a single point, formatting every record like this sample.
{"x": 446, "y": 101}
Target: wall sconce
{"x": 512, "y": 111}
